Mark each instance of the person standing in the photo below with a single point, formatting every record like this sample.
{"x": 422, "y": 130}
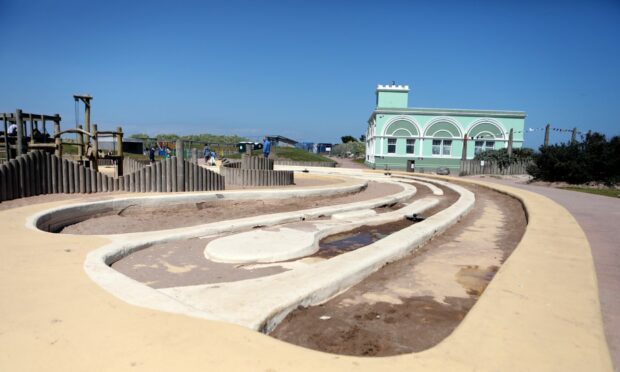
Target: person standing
{"x": 266, "y": 147}
{"x": 152, "y": 154}
{"x": 207, "y": 153}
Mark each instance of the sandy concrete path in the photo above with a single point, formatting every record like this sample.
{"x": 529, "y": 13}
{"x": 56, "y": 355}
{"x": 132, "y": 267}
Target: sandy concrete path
{"x": 347, "y": 163}
{"x": 599, "y": 217}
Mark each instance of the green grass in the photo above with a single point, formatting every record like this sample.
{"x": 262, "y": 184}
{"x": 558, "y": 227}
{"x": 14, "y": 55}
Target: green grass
{"x": 288, "y": 153}
{"x": 360, "y": 160}
{"x": 611, "y": 192}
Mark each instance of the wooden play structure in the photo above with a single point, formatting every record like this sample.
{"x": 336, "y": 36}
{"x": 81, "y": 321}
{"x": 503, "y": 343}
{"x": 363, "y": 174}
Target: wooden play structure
{"x": 33, "y": 161}
{"x": 22, "y": 135}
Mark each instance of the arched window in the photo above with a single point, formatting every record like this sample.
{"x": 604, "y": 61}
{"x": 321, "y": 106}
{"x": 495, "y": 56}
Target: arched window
{"x": 485, "y": 133}
{"x": 443, "y": 131}
{"x": 402, "y": 127}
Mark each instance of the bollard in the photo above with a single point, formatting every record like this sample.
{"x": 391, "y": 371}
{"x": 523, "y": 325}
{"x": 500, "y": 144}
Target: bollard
{"x": 158, "y": 176}
{"x": 175, "y": 185}
{"x": 14, "y": 184}
{"x": 179, "y": 167}
{"x": 3, "y": 182}
{"x": 93, "y": 180}
{"x": 147, "y": 177}
{"x": 86, "y": 174}
{"x": 131, "y": 182}
{"x": 168, "y": 167}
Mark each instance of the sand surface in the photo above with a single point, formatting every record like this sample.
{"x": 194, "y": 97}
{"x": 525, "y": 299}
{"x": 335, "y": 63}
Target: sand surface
{"x": 412, "y": 304}
{"x": 138, "y": 218}
{"x": 182, "y": 262}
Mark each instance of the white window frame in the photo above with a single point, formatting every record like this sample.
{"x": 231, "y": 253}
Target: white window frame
{"x": 391, "y": 142}
{"x": 410, "y": 143}
{"x": 483, "y": 145}
{"x": 444, "y": 143}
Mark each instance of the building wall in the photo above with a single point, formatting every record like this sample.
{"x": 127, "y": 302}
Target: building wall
{"x": 427, "y": 125}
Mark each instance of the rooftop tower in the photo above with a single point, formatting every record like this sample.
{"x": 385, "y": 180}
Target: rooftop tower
{"x": 392, "y": 96}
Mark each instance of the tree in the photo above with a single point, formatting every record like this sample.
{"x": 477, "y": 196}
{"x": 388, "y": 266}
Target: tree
{"x": 347, "y": 139}
{"x": 363, "y": 138}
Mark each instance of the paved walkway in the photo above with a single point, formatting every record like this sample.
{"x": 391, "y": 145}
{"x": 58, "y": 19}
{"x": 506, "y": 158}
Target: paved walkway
{"x": 599, "y": 217}
{"x": 347, "y": 163}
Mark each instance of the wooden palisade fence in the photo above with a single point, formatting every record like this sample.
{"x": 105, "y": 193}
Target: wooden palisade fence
{"x": 39, "y": 172}
{"x": 255, "y": 171}
{"x": 472, "y": 167}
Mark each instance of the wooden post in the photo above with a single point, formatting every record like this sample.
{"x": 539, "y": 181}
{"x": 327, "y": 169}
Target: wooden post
{"x": 20, "y": 132}
{"x": 14, "y": 164}
{"x": 3, "y": 182}
{"x": 54, "y": 170}
{"x": 119, "y": 152}
{"x": 168, "y": 166}
{"x": 30, "y": 168}
{"x": 573, "y": 138}
{"x": 158, "y": 176}
{"x": 509, "y": 150}
{"x": 102, "y": 182}
{"x": 93, "y": 180}
{"x": 95, "y": 157}
{"x": 67, "y": 187}
{"x": 546, "y": 142}
{"x": 48, "y": 172}
{"x": 6, "y": 138}
{"x": 31, "y": 128}
{"x": 143, "y": 180}
{"x": 76, "y": 176}
{"x": 87, "y": 118}
{"x": 44, "y": 130}
{"x": 175, "y": 174}
{"x": 464, "y": 153}
{"x": 57, "y": 139}
{"x": 80, "y": 141}
{"x": 180, "y": 165}
{"x": 147, "y": 183}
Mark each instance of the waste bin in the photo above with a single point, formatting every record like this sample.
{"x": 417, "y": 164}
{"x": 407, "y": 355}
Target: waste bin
{"x": 242, "y": 146}
{"x": 410, "y": 165}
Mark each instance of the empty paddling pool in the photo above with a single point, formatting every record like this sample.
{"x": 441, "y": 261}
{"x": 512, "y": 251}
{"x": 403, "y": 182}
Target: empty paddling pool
{"x": 151, "y": 213}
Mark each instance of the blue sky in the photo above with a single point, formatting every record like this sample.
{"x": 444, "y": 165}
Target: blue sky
{"x": 308, "y": 70}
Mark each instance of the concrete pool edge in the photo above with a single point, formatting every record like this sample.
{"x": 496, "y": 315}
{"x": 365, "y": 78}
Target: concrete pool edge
{"x": 50, "y": 302}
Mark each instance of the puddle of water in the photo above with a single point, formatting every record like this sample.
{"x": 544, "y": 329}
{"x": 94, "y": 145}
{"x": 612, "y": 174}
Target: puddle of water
{"x": 475, "y": 278}
{"x": 351, "y": 240}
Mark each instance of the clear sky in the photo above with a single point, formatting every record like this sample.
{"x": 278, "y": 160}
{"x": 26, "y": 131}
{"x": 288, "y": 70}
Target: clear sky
{"x": 308, "y": 69}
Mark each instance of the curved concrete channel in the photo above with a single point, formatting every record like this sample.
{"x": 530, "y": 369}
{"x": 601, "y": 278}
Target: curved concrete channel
{"x": 527, "y": 319}
{"x": 209, "y": 301}
{"x": 261, "y": 303}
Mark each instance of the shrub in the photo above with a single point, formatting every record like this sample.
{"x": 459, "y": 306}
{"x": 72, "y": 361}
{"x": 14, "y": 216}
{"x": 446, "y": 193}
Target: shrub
{"x": 594, "y": 159}
{"x": 500, "y": 156}
{"x": 357, "y": 149}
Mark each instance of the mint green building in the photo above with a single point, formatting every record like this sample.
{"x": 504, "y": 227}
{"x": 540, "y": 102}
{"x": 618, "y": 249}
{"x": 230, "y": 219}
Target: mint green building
{"x": 433, "y": 138}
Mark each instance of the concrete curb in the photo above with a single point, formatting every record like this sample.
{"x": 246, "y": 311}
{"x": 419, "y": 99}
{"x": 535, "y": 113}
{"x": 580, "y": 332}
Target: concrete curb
{"x": 52, "y": 219}
{"x": 262, "y": 303}
{"x": 261, "y": 246}
{"x": 97, "y": 263}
